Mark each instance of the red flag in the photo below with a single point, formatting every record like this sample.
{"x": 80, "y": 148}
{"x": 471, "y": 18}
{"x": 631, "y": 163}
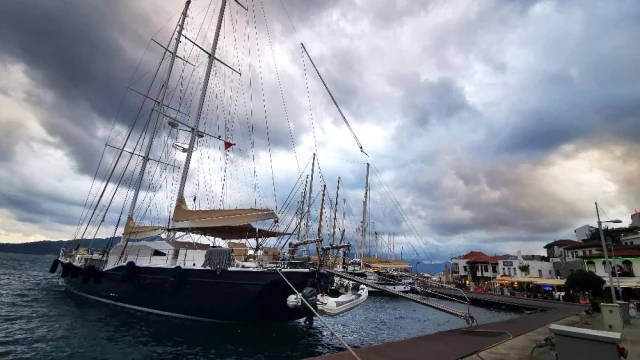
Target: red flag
{"x": 228, "y": 145}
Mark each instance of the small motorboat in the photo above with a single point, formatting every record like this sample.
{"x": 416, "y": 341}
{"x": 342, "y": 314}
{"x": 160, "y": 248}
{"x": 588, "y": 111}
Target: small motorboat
{"x": 332, "y": 306}
{"x": 328, "y": 305}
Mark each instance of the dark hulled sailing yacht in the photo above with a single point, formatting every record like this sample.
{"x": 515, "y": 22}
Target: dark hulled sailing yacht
{"x": 152, "y": 268}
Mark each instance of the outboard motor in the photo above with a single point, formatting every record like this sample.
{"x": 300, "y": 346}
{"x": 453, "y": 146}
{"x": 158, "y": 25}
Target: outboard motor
{"x": 54, "y": 266}
{"x": 311, "y": 296}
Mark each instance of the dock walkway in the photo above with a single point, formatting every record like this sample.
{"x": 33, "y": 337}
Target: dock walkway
{"x": 460, "y": 343}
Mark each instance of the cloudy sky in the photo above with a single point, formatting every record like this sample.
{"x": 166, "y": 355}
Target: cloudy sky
{"x": 496, "y": 124}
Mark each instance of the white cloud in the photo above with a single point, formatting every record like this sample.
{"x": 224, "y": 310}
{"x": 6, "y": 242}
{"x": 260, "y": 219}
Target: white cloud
{"x": 493, "y": 122}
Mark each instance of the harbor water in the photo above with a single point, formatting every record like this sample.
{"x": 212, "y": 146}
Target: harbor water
{"x": 39, "y": 319}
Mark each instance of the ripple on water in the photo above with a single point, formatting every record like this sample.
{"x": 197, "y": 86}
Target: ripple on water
{"x": 39, "y": 320}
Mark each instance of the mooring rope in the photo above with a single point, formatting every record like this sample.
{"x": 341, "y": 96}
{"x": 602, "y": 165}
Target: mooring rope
{"x": 333, "y": 332}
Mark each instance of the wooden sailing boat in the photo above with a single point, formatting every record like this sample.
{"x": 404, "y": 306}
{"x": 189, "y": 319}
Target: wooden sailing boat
{"x": 193, "y": 280}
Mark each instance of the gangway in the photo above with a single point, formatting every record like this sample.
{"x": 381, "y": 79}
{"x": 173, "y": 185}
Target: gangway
{"x": 415, "y": 298}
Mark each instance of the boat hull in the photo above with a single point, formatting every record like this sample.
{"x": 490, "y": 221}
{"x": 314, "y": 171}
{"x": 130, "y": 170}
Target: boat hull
{"x": 239, "y": 295}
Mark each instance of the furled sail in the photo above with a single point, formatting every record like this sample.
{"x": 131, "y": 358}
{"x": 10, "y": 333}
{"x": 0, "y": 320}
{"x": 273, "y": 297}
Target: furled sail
{"x": 183, "y": 217}
{"x": 225, "y": 224}
{"x": 133, "y": 231}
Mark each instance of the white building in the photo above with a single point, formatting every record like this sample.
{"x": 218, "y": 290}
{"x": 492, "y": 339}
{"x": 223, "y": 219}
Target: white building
{"x": 555, "y": 248}
{"x": 578, "y": 250}
{"x": 627, "y": 262}
{"x": 483, "y": 266}
{"x": 630, "y": 240}
{"x": 538, "y": 267}
{"x": 584, "y": 231}
{"x": 635, "y": 219}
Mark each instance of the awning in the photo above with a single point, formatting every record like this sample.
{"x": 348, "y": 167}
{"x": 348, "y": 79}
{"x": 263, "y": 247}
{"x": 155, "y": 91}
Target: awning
{"x": 236, "y": 232}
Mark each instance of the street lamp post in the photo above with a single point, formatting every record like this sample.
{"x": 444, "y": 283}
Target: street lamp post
{"x": 613, "y": 261}
{"x": 606, "y": 255}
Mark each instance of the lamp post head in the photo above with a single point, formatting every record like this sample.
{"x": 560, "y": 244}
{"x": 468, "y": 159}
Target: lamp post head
{"x": 616, "y": 221}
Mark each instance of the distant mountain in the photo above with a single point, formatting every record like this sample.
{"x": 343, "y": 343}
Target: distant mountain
{"x": 52, "y": 247}
{"x": 48, "y": 247}
{"x": 431, "y": 268}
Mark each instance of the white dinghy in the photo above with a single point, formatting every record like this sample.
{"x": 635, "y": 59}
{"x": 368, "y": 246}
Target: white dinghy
{"x": 332, "y": 306}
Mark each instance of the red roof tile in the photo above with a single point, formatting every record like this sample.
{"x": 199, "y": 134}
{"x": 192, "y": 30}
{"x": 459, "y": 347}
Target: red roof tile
{"x": 472, "y": 255}
{"x": 485, "y": 259}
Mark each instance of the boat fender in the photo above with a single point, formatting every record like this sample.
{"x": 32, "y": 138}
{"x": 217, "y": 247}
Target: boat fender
{"x": 66, "y": 269}
{"x": 74, "y": 271}
{"x": 130, "y": 272}
{"x": 98, "y": 275}
{"x": 54, "y": 266}
{"x": 176, "y": 280}
{"x": 87, "y": 273}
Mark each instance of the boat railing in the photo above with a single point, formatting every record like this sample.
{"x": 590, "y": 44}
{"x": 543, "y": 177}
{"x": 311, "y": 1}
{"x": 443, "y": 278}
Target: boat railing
{"x": 170, "y": 256}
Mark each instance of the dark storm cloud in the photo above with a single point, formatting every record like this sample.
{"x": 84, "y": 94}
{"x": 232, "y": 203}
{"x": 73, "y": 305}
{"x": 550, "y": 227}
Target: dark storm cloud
{"x": 79, "y": 52}
{"x": 590, "y": 90}
{"x": 35, "y": 206}
{"x": 11, "y": 133}
{"x": 427, "y": 100}
{"x": 74, "y": 48}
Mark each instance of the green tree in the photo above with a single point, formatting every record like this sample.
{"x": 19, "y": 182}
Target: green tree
{"x": 524, "y": 268}
{"x": 582, "y": 280}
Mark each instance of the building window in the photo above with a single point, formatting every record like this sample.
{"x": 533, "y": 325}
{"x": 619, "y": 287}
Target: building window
{"x": 494, "y": 268}
{"x": 589, "y": 252}
{"x": 539, "y": 273}
{"x": 464, "y": 268}
{"x": 485, "y": 268}
{"x": 557, "y": 272}
{"x": 509, "y": 270}
{"x": 627, "y": 268}
{"x": 550, "y": 272}
{"x": 584, "y": 252}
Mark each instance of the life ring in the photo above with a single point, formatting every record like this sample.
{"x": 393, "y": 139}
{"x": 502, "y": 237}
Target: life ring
{"x": 54, "y": 266}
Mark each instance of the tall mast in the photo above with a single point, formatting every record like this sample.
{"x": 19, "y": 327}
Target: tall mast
{"x": 306, "y": 227}
{"x": 203, "y": 95}
{"x": 344, "y": 215}
{"x": 304, "y": 195}
{"x": 335, "y": 214}
{"x": 161, "y": 96}
{"x": 319, "y": 237}
{"x": 364, "y": 218}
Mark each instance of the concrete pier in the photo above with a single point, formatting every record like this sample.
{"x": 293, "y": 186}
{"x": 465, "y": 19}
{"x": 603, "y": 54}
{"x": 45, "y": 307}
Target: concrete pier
{"x": 461, "y": 343}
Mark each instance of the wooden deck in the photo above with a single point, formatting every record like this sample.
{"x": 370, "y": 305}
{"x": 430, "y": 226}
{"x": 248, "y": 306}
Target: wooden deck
{"x": 460, "y": 343}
